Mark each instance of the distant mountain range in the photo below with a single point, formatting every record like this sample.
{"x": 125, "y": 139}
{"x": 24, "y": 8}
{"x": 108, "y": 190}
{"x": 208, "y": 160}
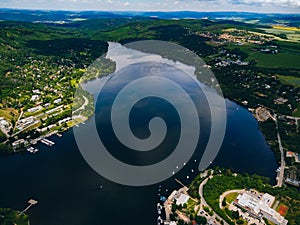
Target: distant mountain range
{"x": 44, "y": 16}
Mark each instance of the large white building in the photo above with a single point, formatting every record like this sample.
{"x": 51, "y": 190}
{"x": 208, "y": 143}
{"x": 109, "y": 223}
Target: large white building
{"x": 181, "y": 199}
{"x": 260, "y": 206}
{"x": 34, "y": 109}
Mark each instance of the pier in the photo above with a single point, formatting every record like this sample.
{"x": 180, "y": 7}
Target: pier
{"x": 32, "y": 150}
{"x": 31, "y": 202}
{"x": 179, "y": 182}
{"x": 47, "y": 142}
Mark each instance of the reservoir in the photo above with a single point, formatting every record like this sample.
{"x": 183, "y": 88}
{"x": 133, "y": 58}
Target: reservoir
{"x": 68, "y": 189}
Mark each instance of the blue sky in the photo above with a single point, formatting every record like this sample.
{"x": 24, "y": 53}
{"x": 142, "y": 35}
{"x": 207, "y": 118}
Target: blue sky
{"x": 159, "y": 5}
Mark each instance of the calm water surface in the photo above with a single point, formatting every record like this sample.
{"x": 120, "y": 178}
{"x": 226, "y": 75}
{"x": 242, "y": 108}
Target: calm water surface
{"x": 68, "y": 189}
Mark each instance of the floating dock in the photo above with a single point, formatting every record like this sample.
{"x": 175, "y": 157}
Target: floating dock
{"x": 47, "y": 142}
{"x": 32, "y": 150}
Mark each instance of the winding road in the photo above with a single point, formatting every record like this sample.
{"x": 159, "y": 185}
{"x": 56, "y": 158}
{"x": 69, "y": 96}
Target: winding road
{"x": 240, "y": 191}
{"x": 86, "y": 102}
{"x": 203, "y": 203}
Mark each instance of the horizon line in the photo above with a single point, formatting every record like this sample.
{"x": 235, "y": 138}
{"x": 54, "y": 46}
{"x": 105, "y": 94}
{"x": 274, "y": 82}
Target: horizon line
{"x": 142, "y": 11}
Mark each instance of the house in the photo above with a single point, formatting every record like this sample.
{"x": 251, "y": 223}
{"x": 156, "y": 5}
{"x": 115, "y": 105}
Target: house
{"x": 3, "y": 122}
{"x": 34, "y": 109}
{"x": 56, "y": 101}
{"x": 245, "y": 102}
{"x": 293, "y": 182}
{"x": 34, "y": 97}
{"x": 36, "y": 91}
{"x": 46, "y": 105}
{"x": 290, "y": 154}
{"x": 280, "y": 101}
{"x": 64, "y": 120}
{"x": 18, "y": 142}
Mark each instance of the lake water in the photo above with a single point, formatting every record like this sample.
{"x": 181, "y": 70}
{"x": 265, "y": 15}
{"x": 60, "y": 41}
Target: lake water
{"x": 68, "y": 189}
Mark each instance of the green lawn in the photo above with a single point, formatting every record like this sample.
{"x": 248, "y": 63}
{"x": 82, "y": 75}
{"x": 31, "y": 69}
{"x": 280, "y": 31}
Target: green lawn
{"x": 290, "y": 80}
{"x": 231, "y": 197}
{"x": 297, "y": 111}
{"x": 280, "y": 60}
{"x": 9, "y": 113}
{"x": 292, "y": 35}
{"x": 191, "y": 204}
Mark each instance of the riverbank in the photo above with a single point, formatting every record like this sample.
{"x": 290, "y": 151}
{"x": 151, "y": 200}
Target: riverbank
{"x": 218, "y": 199}
{"x": 9, "y": 216}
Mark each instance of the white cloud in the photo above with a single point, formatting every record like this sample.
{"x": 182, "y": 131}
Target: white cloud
{"x": 269, "y": 2}
{"x": 159, "y": 5}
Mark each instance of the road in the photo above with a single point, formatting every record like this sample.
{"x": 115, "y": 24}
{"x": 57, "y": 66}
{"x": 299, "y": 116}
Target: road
{"x": 86, "y": 102}
{"x": 168, "y": 211}
{"x": 203, "y": 203}
{"x": 20, "y": 116}
{"x": 202, "y": 200}
{"x": 227, "y": 193}
{"x": 25, "y": 128}
{"x": 282, "y": 166}
{"x": 297, "y": 119}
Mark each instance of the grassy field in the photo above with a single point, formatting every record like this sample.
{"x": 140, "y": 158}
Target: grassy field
{"x": 286, "y": 28}
{"x": 191, "y": 204}
{"x": 10, "y": 114}
{"x": 280, "y": 60}
{"x": 251, "y": 21}
{"x": 292, "y": 33}
{"x": 231, "y": 197}
{"x": 290, "y": 80}
{"x": 268, "y": 34}
{"x": 297, "y": 111}
{"x": 74, "y": 122}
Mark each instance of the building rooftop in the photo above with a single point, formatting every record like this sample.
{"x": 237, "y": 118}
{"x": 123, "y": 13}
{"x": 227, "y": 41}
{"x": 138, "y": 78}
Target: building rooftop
{"x": 290, "y": 154}
{"x": 248, "y": 201}
{"x": 260, "y": 205}
{"x": 182, "y": 199}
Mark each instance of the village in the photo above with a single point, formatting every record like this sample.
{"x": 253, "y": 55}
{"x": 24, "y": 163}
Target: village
{"x": 44, "y": 109}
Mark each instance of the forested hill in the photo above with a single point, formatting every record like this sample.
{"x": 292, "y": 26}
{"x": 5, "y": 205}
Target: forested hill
{"x": 45, "y": 16}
